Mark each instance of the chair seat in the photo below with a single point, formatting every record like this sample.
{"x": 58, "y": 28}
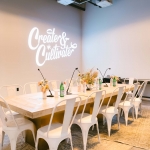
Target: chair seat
{"x": 130, "y": 93}
{"x": 125, "y": 104}
{"x": 15, "y": 114}
{"x": 20, "y": 121}
{"x": 85, "y": 119}
{"x": 110, "y": 110}
{"x": 55, "y": 131}
{"x": 136, "y": 100}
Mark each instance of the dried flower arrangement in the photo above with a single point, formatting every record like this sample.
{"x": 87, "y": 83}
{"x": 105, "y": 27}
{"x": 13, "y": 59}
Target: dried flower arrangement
{"x": 89, "y": 77}
{"x": 44, "y": 85}
{"x": 115, "y": 77}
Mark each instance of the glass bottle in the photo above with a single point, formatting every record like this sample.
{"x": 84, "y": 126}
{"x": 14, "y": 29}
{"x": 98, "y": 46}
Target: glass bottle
{"x": 100, "y": 84}
{"x": 61, "y": 90}
{"x": 114, "y": 81}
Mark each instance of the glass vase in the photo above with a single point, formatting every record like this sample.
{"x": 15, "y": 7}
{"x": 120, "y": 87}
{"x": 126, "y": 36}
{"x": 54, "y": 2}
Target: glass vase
{"x": 44, "y": 95}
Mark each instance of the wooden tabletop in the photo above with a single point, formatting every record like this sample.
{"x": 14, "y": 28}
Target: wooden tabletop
{"x": 34, "y": 106}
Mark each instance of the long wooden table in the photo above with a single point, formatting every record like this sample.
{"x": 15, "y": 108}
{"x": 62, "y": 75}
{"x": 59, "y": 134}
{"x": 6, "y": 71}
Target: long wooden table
{"x": 39, "y": 111}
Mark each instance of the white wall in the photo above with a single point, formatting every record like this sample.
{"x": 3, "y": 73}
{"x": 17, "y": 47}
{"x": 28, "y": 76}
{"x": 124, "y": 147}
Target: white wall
{"x": 118, "y": 37}
{"x": 17, "y": 18}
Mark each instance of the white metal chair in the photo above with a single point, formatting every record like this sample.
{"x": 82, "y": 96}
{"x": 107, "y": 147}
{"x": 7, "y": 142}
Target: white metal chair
{"x": 108, "y": 112}
{"x": 54, "y": 133}
{"x": 54, "y": 84}
{"x": 11, "y": 91}
{"x": 85, "y": 120}
{"x": 13, "y": 127}
{"x": 138, "y": 99}
{"x": 31, "y": 87}
{"x": 126, "y": 105}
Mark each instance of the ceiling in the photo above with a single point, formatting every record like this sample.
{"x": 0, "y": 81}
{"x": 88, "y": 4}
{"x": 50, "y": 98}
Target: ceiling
{"x": 81, "y": 4}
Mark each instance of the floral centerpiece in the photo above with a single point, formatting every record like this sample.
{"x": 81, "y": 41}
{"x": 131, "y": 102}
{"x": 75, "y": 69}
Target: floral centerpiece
{"x": 115, "y": 77}
{"x": 44, "y": 87}
{"x": 89, "y": 78}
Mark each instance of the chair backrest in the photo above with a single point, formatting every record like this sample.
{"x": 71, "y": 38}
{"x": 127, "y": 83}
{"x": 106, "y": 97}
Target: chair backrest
{"x": 11, "y": 90}
{"x": 73, "y": 82}
{"x": 131, "y": 80}
{"x": 142, "y": 89}
{"x": 70, "y": 103}
{"x": 98, "y": 101}
{"x": 30, "y": 87}
{"x": 119, "y": 96}
{"x": 2, "y": 113}
{"x": 54, "y": 84}
{"x": 135, "y": 86}
{"x": 121, "y": 91}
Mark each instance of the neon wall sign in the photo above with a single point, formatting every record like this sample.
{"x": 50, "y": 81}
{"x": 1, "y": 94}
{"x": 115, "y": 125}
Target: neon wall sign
{"x": 50, "y": 46}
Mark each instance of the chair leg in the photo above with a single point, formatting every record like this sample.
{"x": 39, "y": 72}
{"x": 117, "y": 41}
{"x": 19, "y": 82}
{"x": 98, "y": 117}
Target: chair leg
{"x": 121, "y": 112}
{"x": 98, "y": 131}
{"x": 24, "y": 135}
{"x": 136, "y": 111}
{"x": 133, "y": 113}
{"x": 36, "y": 143}
{"x": 33, "y": 134}
{"x": 126, "y": 117}
{"x": 71, "y": 142}
{"x": 85, "y": 136}
{"x": 93, "y": 127}
{"x": 118, "y": 116}
{"x": 3, "y": 135}
{"x": 109, "y": 126}
{"x": 140, "y": 108}
{"x": 103, "y": 120}
{"x": 67, "y": 140}
{"x": 13, "y": 144}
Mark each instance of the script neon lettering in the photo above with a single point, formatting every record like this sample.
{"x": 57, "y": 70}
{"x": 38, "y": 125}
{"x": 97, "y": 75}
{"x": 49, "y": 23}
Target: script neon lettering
{"x": 50, "y": 46}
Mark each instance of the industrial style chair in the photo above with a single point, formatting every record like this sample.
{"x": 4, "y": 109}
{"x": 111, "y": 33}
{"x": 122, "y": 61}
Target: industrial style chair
{"x": 126, "y": 105}
{"x": 10, "y": 91}
{"x": 14, "y": 126}
{"x": 54, "y": 84}
{"x": 138, "y": 99}
{"x": 108, "y": 112}
{"x": 85, "y": 120}
{"x": 30, "y": 87}
{"x": 54, "y": 133}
